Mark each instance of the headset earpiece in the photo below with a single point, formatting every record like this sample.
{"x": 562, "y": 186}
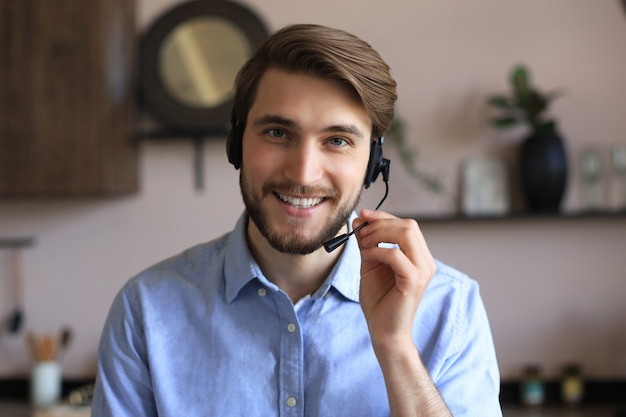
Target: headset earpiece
{"x": 376, "y": 164}
{"x": 233, "y": 144}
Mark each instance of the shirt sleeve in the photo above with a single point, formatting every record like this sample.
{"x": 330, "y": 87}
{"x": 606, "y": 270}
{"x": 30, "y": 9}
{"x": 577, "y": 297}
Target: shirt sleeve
{"x": 469, "y": 380}
{"x": 123, "y": 385}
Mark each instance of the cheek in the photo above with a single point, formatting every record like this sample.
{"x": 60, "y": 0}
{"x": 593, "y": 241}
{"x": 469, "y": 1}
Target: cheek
{"x": 350, "y": 176}
{"x": 359, "y": 166}
{"x": 256, "y": 161}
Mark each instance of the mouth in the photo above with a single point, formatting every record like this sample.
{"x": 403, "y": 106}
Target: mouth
{"x": 300, "y": 202}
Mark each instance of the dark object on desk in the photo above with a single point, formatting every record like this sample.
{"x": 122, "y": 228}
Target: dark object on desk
{"x": 544, "y": 170}
{"x": 532, "y": 391}
{"x": 15, "y": 321}
{"x": 572, "y": 384}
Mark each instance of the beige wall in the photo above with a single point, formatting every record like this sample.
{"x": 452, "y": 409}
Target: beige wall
{"x": 554, "y": 290}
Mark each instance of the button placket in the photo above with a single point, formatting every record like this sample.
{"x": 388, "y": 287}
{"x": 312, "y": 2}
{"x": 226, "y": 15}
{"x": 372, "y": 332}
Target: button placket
{"x": 291, "y": 368}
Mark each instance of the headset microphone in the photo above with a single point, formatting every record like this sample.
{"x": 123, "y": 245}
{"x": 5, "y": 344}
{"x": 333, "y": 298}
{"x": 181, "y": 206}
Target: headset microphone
{"x": 334, "y": 243}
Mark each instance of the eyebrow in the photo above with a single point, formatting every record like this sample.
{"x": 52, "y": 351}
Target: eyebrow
{"x": 340, "y": 128}
{"x": 273, "y": 118}
{"x": 351, "y": 129}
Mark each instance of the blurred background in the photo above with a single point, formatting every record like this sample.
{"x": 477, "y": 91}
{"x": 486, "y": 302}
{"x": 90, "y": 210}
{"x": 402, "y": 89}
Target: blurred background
{"x": 553, "y": 284}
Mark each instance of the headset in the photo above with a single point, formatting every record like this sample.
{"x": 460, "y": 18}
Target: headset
{"x": 376, "y": 165}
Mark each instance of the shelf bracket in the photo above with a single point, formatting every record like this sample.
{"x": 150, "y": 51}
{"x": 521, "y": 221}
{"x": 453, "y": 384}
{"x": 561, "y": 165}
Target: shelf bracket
{"x": 198, "y": 163}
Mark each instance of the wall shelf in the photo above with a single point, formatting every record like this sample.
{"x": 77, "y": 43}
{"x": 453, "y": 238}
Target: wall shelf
{"x": 16, "y": 242}
{"x": 582, "y": 215}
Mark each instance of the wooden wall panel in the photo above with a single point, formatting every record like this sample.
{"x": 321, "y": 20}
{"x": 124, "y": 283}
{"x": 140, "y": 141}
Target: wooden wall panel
{"x": 67, "y": 97}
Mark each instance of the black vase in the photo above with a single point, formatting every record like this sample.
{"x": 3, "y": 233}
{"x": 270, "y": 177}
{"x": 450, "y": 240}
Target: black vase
{"x": 543, "y": 170}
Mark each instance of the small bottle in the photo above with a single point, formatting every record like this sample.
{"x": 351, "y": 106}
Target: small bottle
{"x": 532, "y": 388}
{"x": 572, "y": 385}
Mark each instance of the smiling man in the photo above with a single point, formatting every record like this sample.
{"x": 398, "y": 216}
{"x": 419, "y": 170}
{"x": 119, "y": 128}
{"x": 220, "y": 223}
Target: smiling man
{"x": 264, "y": 321}
{"x": 305, "y": 151}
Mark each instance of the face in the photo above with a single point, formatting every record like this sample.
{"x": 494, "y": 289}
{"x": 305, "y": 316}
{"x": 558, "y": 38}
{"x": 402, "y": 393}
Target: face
{"x": 305, "y": 151}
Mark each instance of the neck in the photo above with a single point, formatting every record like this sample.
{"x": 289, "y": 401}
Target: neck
{"x": 296, "y": 275}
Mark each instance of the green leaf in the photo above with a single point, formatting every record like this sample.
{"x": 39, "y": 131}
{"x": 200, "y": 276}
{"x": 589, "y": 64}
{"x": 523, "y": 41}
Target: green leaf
{"x": 502, "y": 122}
{"x": 525, "y": 104}
{"x": 520, "y": 79}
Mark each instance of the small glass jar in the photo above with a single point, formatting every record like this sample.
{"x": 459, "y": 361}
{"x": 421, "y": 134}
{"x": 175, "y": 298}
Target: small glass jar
{"x": 532, "y": 387}
{"x": 572, "y": 385}
{"x": 591, "y": 168}
{"x": 618, "y": 163}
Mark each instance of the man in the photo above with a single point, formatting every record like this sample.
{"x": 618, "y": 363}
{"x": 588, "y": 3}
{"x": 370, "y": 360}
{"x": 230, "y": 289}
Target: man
{"x": 264, "y": 321}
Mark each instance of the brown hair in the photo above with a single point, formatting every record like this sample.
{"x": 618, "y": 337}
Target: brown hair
{"x": 327, "y": 53}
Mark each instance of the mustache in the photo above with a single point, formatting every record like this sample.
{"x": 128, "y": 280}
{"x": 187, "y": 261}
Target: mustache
{"x": 305, "y": 191}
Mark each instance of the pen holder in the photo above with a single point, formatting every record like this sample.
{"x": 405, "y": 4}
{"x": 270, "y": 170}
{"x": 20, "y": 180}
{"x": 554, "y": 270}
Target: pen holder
{"x": 45, "y": 383}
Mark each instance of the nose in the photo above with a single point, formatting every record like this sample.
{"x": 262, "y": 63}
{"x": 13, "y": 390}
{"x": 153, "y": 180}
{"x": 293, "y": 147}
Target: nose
{"x": 303, "y": 164}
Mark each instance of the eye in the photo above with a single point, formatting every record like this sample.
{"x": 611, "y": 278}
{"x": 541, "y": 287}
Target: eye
{"x": 337, "y": 141}
{"x": 277, "y": 133}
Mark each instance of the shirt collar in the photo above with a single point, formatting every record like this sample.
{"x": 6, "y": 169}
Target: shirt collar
{"x": 346, "y": 275}
{"x": 240, "y": 267}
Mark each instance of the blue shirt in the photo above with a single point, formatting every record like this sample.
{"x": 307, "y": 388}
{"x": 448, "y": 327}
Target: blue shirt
{"x": 204, "y": 333}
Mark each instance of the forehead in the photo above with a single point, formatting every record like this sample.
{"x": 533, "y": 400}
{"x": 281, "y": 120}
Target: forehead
{"x": 302, "y": 95}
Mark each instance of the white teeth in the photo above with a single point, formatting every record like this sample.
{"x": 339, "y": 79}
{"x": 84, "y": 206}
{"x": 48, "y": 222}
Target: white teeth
{"x": 300, "y": 202}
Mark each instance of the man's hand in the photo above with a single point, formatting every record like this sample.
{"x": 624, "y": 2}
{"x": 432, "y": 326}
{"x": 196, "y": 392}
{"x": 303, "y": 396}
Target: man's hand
{"x": 393, "y": 279}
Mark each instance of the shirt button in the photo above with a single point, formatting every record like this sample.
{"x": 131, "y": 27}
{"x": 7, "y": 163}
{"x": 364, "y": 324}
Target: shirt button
{"x": 291, "y": 401}
{"x": 262, "y": 292}
{"x": 291, "y": 328}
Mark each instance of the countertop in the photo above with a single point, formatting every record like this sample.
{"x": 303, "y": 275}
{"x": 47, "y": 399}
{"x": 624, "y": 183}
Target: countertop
{"x": 20, "y": 409}
{"x": 618, "y": 410}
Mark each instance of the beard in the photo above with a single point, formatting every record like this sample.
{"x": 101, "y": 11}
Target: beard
{"x": 292, "y": 242}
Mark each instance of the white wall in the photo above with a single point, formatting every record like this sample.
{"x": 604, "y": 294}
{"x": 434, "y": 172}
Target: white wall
{"x": 554, "y": 290}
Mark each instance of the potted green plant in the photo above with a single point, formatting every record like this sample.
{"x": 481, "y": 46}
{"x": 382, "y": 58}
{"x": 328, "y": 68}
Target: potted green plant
{"x": 543, "y": 159}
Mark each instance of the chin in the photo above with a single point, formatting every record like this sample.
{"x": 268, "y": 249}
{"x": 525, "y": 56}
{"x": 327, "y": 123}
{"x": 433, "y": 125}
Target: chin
{"x": 292, "y": 241}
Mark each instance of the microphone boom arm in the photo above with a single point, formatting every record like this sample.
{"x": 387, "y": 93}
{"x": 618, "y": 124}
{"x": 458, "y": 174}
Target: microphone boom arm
{"x": 337, "y": 241}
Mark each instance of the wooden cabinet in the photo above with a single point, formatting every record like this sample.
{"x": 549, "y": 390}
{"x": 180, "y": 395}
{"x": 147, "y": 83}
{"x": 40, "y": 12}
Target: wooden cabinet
{"x": 67, "y": 97}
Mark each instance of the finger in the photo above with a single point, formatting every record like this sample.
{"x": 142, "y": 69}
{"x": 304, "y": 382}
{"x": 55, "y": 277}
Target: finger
{"x": 370, "y": 215}
{"x": 403, "y": 232}
{"x": 399, "y": 263}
